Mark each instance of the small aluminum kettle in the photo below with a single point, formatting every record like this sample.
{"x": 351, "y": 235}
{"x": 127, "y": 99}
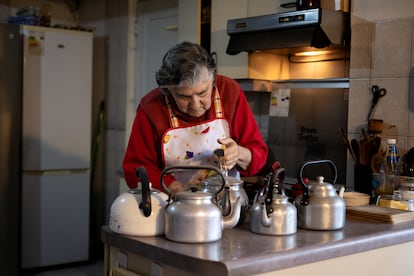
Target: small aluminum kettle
{"x": 279, "y": 216}
{"x": 193, "y": 216}
{"x": 226, "y": 199}
{"x": 320, "y": 207}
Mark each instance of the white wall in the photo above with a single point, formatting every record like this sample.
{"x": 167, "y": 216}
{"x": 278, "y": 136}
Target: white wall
{"x": 373, "y": 10}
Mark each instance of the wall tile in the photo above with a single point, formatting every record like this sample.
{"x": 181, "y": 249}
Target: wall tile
{"x": 401, "y": 145}
{"x": 330, "y": 69}
{"x": 392, "y": 108}
{"x": 360, "y": 63}
{"x": 412, "y": 43}
{"x": 302, "y": 70}
{"x": 319, "y": 70}
{"x": 411, "y": 104}
{"x": 268, "y": 66}
{"x": 411, "y": 90}
{"x": 391, "y": 48}
{"x": 358, "y": 106}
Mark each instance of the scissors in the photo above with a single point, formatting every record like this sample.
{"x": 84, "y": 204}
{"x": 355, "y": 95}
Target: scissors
{"x": 377, "y": 93}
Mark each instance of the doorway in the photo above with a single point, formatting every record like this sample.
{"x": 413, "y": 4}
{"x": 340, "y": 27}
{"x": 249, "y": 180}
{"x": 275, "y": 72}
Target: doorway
{"x": 157, "y": 32}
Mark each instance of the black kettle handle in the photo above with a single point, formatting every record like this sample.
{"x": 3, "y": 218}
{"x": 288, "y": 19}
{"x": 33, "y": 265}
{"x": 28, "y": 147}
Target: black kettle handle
{"x": 145, "y": 204}
{"x": 313, "y": 162}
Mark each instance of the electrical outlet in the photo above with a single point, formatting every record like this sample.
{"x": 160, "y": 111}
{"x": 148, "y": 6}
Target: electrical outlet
{"x": 156, "y": 269}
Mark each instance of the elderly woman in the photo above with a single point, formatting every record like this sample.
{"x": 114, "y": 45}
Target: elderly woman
{"x": 192, "y": 113}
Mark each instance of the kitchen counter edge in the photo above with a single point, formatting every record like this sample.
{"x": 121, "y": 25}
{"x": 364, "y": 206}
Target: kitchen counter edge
{"x": 237, "y": 254}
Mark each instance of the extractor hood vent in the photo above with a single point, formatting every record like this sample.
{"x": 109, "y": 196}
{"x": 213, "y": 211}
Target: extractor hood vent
{"x": 319, "y": 28}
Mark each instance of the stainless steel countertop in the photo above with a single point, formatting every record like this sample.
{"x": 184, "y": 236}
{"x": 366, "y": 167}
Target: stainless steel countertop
{"x": 241, "y": 252}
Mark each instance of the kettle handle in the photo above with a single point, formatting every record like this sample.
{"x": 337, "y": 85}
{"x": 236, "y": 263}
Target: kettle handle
{"x": 205, "y": 167}
{"x": 275, "y": 185}
{"x": 145, "y": 205}
{"x": 312, "y": 162}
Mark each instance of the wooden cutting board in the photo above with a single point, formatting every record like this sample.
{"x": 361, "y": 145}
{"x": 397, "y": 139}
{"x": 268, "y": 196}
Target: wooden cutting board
{"x": 375, "y": 213}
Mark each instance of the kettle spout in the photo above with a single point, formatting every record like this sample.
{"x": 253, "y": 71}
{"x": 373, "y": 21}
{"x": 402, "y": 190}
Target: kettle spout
{"x": 232, "y": 219}
{"x": 265, "y": 220}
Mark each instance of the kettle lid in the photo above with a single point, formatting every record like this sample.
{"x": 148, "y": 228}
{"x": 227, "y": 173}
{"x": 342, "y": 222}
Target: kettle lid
{"x": 280, "y": 199}
{"x": 321, "y": 188}
{"x": 189, "y": 195}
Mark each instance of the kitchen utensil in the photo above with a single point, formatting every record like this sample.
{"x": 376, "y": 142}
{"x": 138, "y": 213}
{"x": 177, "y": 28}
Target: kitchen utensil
{"x": 280, "y": 216}
{"x": 227, "y": 198}
{"x": 344, "y": 137}
{"x": 233, "y": 189}
{"x": 320, "y": 207}
{"x": 408, "y": 163}
{"x": 355, "y": 149}
{"x": 193, "y": 216}
{"x": 366, "y": 151}
{"x": 377, "y": 160}
{"x": 139, "y": 212}
{"x": 365, "y": 135}
{"x": 222, "y": 162}
{"x": 377, "y": 93}
{"x": 375, "y": 126}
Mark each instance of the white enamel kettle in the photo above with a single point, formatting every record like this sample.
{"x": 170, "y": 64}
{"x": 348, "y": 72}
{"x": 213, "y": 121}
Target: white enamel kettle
{"x": 139, "y": 212}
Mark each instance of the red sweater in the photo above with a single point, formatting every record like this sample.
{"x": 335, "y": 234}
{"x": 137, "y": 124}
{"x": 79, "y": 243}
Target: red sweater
{"x": 152, "y": 120}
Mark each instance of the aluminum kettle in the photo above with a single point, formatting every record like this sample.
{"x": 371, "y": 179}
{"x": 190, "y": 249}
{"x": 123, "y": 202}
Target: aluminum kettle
{"x": 320, "y": 207}
{"x": 274, "y": 214}
{"x": 227, "y": 198}
{"x": 139, "y": 212}
{"x": 194, "y": 216}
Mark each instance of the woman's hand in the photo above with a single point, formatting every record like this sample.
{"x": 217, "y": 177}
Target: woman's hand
{"x": 175, "y": 187}
{"x": 197, "y": 177}
{"x": 235, "y": 154}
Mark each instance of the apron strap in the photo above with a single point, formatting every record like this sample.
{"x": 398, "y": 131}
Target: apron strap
{"x": 218, "y": 107}
{"x": 173, "y": 118}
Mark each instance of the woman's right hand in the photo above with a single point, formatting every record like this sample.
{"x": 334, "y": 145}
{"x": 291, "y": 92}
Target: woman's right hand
{"x": 197, "y": 177}
{"x": 175, "y": 187}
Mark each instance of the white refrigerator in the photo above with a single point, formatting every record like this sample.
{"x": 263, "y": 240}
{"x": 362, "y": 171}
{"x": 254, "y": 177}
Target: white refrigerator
{"x": 57, "y": 99}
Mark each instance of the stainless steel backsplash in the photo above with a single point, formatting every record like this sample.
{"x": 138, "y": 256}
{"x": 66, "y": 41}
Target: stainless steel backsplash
{"x": 309, "y": 132}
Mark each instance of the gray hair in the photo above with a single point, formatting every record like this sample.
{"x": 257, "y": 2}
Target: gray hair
{"x": 182, "y": 66}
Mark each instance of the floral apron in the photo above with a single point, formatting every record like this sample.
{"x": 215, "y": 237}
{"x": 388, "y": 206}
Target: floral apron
{"x": 193, "y": 145}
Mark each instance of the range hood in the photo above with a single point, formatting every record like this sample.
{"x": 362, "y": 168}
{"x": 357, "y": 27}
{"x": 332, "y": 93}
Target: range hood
{"x": 318, "y": 28}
